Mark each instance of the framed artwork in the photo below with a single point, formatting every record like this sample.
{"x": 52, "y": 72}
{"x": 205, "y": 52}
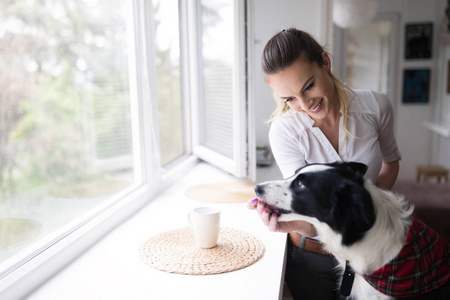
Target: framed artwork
{"x": 416, "y": 85}
{"x": 418, "y": 40}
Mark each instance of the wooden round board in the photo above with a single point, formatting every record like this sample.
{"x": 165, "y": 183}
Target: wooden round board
{"x": 222, "y": 192}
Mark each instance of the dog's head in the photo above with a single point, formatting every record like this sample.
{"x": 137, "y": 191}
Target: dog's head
{"x": 333, "y": 194}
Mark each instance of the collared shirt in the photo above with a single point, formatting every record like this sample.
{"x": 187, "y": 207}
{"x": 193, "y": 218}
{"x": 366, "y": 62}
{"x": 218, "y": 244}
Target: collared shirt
{"x": 295, "y": 141}
{"x": 422, "y": 265}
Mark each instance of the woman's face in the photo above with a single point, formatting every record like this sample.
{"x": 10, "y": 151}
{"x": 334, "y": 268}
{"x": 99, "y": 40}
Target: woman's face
{"x": 306, "y": 87}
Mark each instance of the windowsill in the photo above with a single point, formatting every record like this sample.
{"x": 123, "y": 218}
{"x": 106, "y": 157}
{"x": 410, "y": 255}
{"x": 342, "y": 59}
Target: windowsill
{"x": 112, "y": 270}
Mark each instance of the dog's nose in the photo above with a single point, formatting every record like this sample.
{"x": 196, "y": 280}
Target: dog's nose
{"x": 259, "y": 190}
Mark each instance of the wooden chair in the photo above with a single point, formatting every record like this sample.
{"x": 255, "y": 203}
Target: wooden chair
{"x": 428, "y": 171}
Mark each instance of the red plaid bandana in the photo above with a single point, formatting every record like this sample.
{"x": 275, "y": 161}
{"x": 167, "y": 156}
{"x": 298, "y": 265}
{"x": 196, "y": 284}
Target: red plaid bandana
{"x": 422, "y": 265}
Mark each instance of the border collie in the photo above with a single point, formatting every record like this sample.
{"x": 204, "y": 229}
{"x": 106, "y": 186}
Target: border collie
{"x": 383, "y": 248}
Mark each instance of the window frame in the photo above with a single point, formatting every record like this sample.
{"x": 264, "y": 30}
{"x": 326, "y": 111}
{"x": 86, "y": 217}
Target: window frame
{"x": 65, "y": 245}
{"x": 78, "y": 236}
{"x": 242, "y": 139}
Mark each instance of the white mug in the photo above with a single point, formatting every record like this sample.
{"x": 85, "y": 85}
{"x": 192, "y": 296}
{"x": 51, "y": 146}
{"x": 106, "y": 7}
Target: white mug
{"x": 205, "y": 221}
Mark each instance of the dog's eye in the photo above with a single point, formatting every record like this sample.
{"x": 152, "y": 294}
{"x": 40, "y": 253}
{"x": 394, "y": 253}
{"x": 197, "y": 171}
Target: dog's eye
{"x": 299, "y": 184}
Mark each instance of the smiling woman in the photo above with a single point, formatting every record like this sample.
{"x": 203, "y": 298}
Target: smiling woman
{"x": 320, "y": 119}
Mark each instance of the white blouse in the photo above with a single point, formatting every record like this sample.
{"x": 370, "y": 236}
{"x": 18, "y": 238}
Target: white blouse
{"x": 295, "y": 142}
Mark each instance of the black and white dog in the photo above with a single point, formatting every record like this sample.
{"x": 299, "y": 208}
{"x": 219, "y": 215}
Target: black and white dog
{"x": 375, "y": 232}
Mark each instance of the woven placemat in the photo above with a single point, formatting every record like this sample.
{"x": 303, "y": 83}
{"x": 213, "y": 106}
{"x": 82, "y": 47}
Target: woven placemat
{"x": 222, "y": 192}
{"x": 176, "y": 252}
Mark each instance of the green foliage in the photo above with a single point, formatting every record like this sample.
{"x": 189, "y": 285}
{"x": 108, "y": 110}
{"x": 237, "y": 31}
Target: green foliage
{"x": 59, "y": 60}
{"x": 50, "y": 130}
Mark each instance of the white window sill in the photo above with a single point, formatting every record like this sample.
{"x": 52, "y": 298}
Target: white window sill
{"x": 112, "y": 269}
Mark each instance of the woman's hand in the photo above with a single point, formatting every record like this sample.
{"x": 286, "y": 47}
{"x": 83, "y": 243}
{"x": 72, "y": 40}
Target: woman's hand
{"x": 270, "y": 219}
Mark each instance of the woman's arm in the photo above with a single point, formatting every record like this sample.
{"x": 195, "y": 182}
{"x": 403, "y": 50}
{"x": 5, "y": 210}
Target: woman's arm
{"x": 388, "y": 174}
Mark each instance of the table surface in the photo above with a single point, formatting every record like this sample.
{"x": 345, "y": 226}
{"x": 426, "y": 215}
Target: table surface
{"x": 112, "y": 268}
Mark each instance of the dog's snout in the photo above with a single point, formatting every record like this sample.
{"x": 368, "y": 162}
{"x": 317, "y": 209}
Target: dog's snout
{"x": 259, "y": 190}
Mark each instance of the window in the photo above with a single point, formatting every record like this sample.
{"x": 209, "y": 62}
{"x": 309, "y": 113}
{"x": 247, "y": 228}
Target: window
{"x": 217, "y": 59}
{"x": 66, "y": 139}
{"x": 95, "y": 103}
{"x": 168, "y": 80}
{"x": 221, "y": 128}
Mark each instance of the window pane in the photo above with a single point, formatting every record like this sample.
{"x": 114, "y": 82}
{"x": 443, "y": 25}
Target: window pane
{"x": 168, "y": 79}
{"x": 65, "y": 122}
{"x": 217, "y": 49}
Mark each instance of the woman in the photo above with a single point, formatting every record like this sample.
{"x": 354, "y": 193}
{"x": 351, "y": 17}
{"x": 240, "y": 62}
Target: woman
{"x": 320, "y": 120}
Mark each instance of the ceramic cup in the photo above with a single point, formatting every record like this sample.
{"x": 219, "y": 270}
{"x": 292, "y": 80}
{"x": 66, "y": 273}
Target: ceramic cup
{"x": 205, "y": 221}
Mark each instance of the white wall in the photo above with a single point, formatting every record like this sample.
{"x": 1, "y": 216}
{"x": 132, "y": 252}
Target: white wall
{"x": 414, "y": 140}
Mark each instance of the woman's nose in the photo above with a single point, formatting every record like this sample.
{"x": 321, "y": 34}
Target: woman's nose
{"x": 299, "y": 104}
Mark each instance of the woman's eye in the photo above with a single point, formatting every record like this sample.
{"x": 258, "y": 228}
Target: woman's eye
{"x": 288, "y": 100}
{"x": 309, "y": 86}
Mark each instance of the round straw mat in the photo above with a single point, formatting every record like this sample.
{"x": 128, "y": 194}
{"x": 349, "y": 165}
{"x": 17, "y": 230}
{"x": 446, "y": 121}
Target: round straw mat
{"x": 222, "y": 192}
{"x": 176, "y": 252}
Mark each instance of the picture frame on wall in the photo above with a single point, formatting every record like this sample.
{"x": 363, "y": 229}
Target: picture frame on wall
{"x": 416, "y": 85}
{"x": 418, "y": 41}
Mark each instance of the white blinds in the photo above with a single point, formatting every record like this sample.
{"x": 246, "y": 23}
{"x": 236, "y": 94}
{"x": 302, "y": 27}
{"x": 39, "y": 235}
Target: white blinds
{"x": 217, "y": 107}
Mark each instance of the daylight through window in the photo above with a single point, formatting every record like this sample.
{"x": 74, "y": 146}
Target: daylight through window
{"x": 65, "y": 117}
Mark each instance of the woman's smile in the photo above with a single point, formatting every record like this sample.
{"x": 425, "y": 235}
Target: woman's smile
{"x": 316, "y": 109}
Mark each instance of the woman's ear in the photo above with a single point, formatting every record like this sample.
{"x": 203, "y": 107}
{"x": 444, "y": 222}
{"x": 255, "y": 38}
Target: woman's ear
{"x": 326, "y": 60}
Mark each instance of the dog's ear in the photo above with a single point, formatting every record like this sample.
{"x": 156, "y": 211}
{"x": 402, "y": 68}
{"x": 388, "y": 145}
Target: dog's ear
{"x": 358, "y": 168}
{"x": 355, "y": 167}
{"x": 352, "y": 213}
